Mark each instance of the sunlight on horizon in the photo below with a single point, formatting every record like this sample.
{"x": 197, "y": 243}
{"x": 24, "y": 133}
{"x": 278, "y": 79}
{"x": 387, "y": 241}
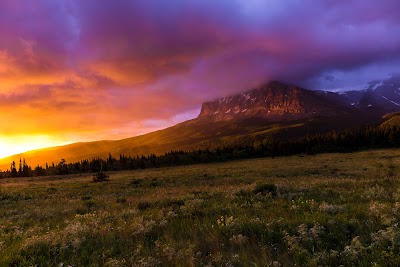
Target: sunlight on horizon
{"x": 11, "y": 145}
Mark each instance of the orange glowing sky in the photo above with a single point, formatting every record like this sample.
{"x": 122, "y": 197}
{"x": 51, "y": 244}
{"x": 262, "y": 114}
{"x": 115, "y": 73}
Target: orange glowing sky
{"x": 74, "y": 71}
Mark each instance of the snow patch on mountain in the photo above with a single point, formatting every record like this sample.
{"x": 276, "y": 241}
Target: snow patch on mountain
{"x": 246, "y": 97}
{"x": 377, "y": 85}
{"x": 397, "y": 104}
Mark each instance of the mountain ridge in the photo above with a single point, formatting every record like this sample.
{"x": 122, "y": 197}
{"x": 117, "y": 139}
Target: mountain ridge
{"x": 277, "y": 101}
{"x": 274, "y": 101}
{"x": 273, "y": 108}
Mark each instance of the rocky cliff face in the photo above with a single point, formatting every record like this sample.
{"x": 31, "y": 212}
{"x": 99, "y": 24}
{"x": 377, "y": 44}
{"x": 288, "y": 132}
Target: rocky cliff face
{"x": 274, "y": 101}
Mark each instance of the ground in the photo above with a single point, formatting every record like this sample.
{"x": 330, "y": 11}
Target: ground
{"x": 324, "y": 210}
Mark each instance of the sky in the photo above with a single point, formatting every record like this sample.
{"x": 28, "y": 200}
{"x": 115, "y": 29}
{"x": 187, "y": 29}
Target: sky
{"x": 73, "y": 70}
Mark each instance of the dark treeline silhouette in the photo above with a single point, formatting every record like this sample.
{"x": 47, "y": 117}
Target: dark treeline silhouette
{"x": 335, "y": 141}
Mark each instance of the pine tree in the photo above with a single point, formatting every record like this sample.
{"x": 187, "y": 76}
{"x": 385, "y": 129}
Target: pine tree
{"x": 13, "y": 172}
{"x": 20, "y": 168}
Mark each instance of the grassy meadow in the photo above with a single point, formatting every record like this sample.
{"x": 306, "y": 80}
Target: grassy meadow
{"x": 324, "y": 210}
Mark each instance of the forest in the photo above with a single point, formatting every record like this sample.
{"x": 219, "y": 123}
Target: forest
{"x": 371, "y": 137}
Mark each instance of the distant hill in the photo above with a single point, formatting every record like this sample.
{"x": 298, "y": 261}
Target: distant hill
{"x": 272, "y": 110}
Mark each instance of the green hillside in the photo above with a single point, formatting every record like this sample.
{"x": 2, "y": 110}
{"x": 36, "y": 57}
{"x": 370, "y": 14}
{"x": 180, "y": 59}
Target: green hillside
{"x": 184, "y": 136}
{"x": 190, "y": 135}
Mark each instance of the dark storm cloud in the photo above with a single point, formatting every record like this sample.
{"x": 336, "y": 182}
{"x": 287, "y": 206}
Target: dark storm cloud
{"x": 132, "y": 61}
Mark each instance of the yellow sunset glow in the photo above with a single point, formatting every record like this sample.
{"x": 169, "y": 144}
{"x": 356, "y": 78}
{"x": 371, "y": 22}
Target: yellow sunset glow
{"x": 11, "y": 145}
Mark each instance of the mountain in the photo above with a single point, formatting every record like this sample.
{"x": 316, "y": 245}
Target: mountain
{"x": 275, "y": 101}
{"x": 273, "y": 109}
{"x": 383, "y": 96}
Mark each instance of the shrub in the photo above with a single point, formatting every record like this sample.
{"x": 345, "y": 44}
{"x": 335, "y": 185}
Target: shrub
{"x": 265, "y": 189}
{"x": 100, "y": 177}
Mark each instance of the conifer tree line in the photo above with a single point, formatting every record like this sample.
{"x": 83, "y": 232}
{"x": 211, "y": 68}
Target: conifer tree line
{"x": 334, "y": 141}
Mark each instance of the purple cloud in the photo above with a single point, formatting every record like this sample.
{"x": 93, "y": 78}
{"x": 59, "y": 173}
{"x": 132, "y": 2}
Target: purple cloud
{"x": 153, "y": 60}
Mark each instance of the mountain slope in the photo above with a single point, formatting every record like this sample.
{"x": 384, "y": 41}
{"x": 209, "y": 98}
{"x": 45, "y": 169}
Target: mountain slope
{"x": 277, "y": 109}
{"x": 189, "y": 135}
{"x": 380, "y": 96}
{"x": 391, "y": 120}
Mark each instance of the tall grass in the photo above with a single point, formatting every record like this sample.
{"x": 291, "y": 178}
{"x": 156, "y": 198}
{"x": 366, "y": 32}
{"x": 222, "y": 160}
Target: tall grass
{"x": 325, "y": 210}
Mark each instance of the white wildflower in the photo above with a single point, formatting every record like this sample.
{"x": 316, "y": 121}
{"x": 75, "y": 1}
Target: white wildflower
{"x": 224, "y": 221}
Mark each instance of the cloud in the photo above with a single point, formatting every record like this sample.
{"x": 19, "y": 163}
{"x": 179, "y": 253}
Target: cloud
{"x": 86, "y": 67}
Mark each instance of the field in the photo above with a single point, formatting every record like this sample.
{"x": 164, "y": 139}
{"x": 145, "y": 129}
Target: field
{"x": 324, "y": 210}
